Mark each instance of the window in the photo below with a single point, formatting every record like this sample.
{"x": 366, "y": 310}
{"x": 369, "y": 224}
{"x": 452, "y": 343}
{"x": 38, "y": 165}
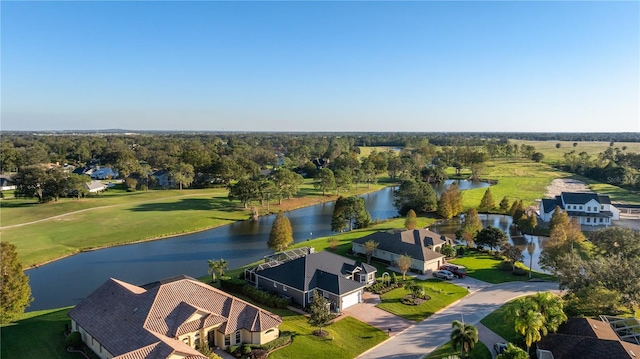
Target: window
{"x": 227, "y": 340}
{"x": 602, "y": 207}
{"x": 238, "y": 337}
{"x": 588, "y": 219}
{"x": 580, "y": 207}
{"x": 588, "y": 209}
{"x": 269, "y": 331}
{"x": 600, "y": 220}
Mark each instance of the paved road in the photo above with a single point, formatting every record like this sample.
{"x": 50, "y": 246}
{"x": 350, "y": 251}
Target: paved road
{"x": 368, "y": 312}
{"x": 488, "y": 337}
{"x": 423, "y": 338}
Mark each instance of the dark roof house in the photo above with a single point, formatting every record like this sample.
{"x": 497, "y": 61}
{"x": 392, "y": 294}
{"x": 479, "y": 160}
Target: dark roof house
{"x": 588, "y": 208}
{"x": 586, "y": 338}
{"x": 340, "y": 279}
{"x": 421, "y": 244}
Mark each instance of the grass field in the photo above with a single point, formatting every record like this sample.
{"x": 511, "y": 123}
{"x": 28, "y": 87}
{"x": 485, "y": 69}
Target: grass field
{"x": 365, "y": 151}
{"x": 479, "y": 351}
{"x": 442, "y": 294}
{"x": 37, "y": 335}
{"x": 121, "y": 217}
{"x": 554, "y": 155}
{"x": 347, "y": 339}
{"x": 484, "y": 267}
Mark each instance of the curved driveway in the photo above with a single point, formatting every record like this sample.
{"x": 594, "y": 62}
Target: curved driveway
{"x": 426, "y": 336}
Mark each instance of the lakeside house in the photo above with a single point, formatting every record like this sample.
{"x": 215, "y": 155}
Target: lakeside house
{"x": 421, "y": 244}
{"x": 590, "y": 209}
{"x": 169, "y": 318}
{"x": 300, "y": 273}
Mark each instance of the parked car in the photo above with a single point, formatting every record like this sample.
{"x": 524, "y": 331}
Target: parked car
{"x": 458, "y": 271}
{"x": 499, "y": 347}
{"x": 444, "y": 274}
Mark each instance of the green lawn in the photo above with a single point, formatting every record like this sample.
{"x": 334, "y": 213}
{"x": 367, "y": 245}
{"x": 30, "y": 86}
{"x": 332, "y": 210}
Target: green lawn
{"x": 347, "y": 338}
{"x": 479, "y": 351}
{"x": 555, "y": 155}
{"x": 442, "y": 293}
{"x": 501, "y": 324}
{"x": 484, "y": 267}
{"x": 37, "y": 335}
{"x": 122, "y": 217}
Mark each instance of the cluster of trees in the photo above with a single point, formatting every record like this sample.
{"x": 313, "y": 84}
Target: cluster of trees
{"x": 49, "y": 184}
{"x": 612, "y": 166}
{"x": 280, "y": 184}
{"x": 601, "y": 276}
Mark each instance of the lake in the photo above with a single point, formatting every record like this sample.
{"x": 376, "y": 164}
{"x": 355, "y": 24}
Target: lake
{"x": 67, "y": 281}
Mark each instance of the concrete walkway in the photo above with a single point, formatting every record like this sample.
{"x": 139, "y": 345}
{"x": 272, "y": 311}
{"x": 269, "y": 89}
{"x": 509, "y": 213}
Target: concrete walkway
{"x": 488, "y": 337}
{"x": 368, "y": 312}
{"x": 423, "y": 338}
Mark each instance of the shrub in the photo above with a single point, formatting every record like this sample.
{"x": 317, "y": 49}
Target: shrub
{"x": 74, "y": 340}
{"x": 232, "y": 349}
{"x": 234, "y": 285}
{"x": 520, "y": 272}
{"x": 460, "y": 251}
{"x": 505, "y": 266}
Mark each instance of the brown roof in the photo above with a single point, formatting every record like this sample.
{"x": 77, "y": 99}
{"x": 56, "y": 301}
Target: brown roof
{"x": 134, "y": 322}
{"x": 587, "y": 338}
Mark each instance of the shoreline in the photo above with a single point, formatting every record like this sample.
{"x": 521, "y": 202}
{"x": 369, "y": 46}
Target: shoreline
{"x": 321, "y": 200}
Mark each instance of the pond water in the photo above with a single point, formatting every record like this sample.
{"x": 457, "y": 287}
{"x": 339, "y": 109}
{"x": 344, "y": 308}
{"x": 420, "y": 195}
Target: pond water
{"x": 67, "y": 281}
{"x": 503, "y": 222}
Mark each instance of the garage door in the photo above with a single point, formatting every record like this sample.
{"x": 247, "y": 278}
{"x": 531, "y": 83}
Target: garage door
{"x": 349, "y": 300}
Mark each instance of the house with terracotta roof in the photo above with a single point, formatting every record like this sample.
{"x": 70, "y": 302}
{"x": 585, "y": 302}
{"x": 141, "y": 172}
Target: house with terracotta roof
{"x": 421, "y": 244}
{"x": 586, "y": 338}
{"x": 167, "y": 319}
{"x": 590, "y": 209}
{"x": 338, "y": 279}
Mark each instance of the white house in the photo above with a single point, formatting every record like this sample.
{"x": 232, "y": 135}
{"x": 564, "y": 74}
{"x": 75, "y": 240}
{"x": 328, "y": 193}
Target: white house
{"x": 590, "y": 209}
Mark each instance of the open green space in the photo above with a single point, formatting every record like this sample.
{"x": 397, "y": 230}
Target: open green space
{"x": 122, "y": 217}
{"x": 37, "y": 335}
{"x": 479, "y": 351}
{"x": 348, "y": 337}
{"x": 442, "y": 293}
{"x": 484, "y": 267}
{"x": 554, "y": 155}
{"x": 365, "y": 151}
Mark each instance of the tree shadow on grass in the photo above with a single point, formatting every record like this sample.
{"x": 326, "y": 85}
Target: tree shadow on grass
{"x": 186, "y": 204}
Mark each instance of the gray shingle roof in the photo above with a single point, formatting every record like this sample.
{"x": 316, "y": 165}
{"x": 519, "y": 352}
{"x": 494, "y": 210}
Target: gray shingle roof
{"x": 141, "y": 322}
{"x": 412, "y": 242}
{"x": 579, "y": 197}
{"x": 324, "y": 270}
{"x": 550, "y": 204}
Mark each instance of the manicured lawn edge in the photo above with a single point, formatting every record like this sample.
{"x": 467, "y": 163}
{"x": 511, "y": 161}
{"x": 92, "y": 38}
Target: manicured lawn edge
{"x": 484, "y": 267}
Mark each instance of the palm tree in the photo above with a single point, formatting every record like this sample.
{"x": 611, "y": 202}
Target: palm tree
{"x": 465, "y": 335}
{"x": 529, "y": 322}
{"x": 551, "y": 308}
{"x": 531, "y": 248}
{"x": 218, "y": 266}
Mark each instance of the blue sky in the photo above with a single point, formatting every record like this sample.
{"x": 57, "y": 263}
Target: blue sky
{"x": 321, "y": 66}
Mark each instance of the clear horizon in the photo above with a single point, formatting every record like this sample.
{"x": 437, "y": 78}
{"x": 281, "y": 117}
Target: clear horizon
{"x": 321, "y": 66}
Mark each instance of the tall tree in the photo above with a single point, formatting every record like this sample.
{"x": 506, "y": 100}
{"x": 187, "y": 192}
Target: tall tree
{"x": 558, "y": 218}
{"x": 182, "y": 174}
{"x": 411, "y": 222}
{"x": 404, "y": 264}
{"x": 343, "y": 180}
{"x": 349, "y": 212}
{"x": 418, "y": 196}
{"x": 15, "y": 293}
{"x": 370, "y": 247}
{"x": 529, "y": 322}
{"x": 286, "y": 182}
{"x": 444, "y": 206}
{"x": 325, "y": 180}
{"x": 513, "y": 254}
{"x": 504, "y": 205}
{"x": 487, "y": 203}
{"x": 245, "y": 190}
{"x": 471, "y": 225}
{"x": 492, "y": 237}
{"x": 281, "y": 235}
{"x": 319, "y": 315}
{"x": 463, "y": 335}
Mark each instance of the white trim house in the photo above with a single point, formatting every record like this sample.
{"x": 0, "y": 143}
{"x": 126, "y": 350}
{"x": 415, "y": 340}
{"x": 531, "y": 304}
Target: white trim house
{"x": 590, "y": 209}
